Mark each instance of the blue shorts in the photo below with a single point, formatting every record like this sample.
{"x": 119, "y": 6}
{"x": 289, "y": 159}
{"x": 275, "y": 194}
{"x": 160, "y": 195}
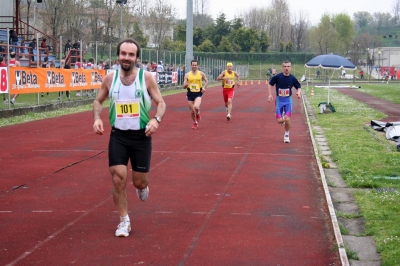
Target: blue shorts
{"x": 283, "y": 107}
{"x": 191, "y": 96}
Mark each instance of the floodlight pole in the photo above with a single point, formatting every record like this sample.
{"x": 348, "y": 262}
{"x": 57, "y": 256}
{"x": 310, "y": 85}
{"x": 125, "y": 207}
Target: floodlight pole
{"x": 379, "y": 65}
{"x": 120, "y": 29}
{"x": 189, "y": 34}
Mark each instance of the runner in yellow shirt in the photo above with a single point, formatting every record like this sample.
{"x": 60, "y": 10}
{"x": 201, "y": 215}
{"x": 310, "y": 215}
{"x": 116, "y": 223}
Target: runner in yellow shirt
{"x": 193, "y": 82}
{"x": 229, "y": 78}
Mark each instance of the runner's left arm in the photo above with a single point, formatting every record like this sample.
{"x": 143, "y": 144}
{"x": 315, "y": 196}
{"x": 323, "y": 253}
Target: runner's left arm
{"x": 238, "y": 79}
{"x": 155, "y": 94}
{"x": 205, "y": 84}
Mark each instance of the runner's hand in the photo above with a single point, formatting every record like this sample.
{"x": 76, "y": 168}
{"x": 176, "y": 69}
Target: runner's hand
{"x": 270, "y": 98}
{"x": 151, "y": 127}
{"x": 98, "y": 127}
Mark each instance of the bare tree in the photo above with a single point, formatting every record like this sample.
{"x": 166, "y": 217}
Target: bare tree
{"x": 299, "y": 30}
{"x": 74, "y": 14}
{"x": 53, "y": 17}
{"x": 160, "y": 21}
{"x": 396, "y": 11}
{"x": 279, "y": 21}
{"x": 256, "y": 18}
{"x": 141, "y": 8}
{"x": 204, "y": 6}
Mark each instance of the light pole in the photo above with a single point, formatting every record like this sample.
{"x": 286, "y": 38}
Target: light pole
{"x": 368, "y": 65}
{"x": 379, "y": 65}
{"x": 121, "y": 3}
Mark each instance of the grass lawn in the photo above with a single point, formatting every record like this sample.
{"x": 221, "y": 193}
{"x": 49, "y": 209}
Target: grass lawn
{"x": 366, "y": 160}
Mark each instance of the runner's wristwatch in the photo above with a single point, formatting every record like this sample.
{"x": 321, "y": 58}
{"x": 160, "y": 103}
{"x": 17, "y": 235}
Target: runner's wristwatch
{"x": 158, "y": 119}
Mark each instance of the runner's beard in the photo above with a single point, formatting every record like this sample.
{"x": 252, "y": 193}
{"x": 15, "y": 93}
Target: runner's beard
{"x": 126, "y": 68}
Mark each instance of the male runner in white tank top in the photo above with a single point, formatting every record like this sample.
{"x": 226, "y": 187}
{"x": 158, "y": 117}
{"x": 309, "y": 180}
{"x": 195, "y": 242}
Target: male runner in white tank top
{"x": 130, "y": 90}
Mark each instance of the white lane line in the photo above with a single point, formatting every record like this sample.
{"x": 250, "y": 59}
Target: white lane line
{"x": 62, "y": 229}
{"x": 42, "y": 211}
{"x": 5, "y": 211}
{"x": 164, "y": 212}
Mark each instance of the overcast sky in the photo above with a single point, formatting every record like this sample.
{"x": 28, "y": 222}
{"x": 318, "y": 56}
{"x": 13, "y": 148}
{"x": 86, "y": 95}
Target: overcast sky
{"x": 314, "y": 8}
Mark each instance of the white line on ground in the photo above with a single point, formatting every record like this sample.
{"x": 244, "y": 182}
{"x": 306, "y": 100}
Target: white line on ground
{"x": 62, "y": 229}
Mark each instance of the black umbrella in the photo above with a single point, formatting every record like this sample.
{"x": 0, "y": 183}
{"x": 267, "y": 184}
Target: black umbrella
{"x": 330, "y": 61}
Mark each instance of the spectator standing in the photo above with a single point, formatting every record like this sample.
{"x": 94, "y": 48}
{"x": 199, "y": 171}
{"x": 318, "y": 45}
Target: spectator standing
{"x": 77, "y": 44}
{"x": 67, "y": 47}
{"x": 145, "y": 65}
{"x": 101, "y": 64}
{"x": 13, "y": 63}
{"x": 107, "y": 64}
{"x": 22, "y": 50}
{"x": 60, "y": 93}
{"x": 160, "y": 67}
{"x": 362, "y": 74}
{"x": 2, "y": 64}
{"x": 43, "y": 46}
{"x": 32, "y": 46}
{"x": 153, "y": 67}
{"x": 116, "y": 65}
{"x": 13, "y": 40}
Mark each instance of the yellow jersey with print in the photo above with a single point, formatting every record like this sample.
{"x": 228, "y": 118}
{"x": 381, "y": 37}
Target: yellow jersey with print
{"x": 229, "y": 80}
{"x": 195, "y": 82}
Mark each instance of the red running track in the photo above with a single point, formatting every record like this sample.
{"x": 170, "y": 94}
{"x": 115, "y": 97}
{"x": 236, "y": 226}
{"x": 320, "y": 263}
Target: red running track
{"x": 228, "y": 193}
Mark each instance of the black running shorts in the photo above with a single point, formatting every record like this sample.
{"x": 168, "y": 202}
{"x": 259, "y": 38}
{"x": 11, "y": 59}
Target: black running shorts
{"x": 191, "y": 96}
{"x": 130, "y": 144}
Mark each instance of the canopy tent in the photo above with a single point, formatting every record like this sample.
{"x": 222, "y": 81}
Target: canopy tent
{"x": 330, "y": 61}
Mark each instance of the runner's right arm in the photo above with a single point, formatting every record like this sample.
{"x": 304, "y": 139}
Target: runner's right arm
{"x": 98, "y": 126}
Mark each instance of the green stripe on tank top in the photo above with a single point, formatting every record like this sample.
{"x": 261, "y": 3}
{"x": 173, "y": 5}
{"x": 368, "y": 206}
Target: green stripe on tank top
{"x": 111, "y": 114}
{"x": 144, "y": 116}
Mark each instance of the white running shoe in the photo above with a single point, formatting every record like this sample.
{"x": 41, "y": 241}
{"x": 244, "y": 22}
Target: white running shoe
{"x": 143, "y": 194}
{"x": 286, "y": 139}
{"x": 123, "y": 229}
{"x": 228, "y": 117}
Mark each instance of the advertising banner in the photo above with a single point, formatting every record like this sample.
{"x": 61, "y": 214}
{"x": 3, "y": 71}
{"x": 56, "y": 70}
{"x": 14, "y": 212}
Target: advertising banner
{"x": 3, "y": 80}
{"x": 36, "y": 80}
{"x": 167, "y": 77}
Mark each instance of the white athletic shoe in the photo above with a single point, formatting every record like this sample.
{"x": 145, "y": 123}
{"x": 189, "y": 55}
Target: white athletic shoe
{"x": 123, "y": 229}
{"x": 143, "y": 194}
{"x": 286, "y": 139}
{"x": 228, "y": 117}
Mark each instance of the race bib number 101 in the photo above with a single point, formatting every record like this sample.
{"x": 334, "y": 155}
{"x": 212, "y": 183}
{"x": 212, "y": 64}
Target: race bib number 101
{"x": 127, "y": 109}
